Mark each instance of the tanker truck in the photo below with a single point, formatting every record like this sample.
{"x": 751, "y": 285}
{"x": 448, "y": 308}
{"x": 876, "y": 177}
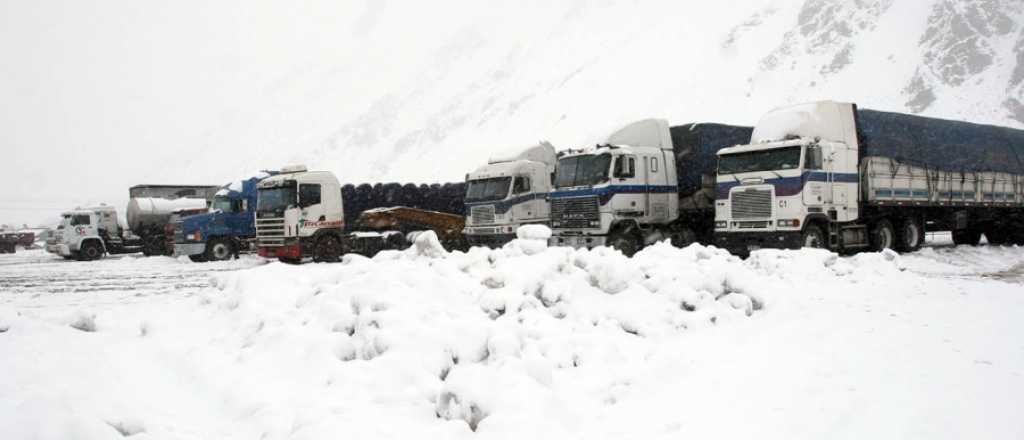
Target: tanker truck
{"x": 649, "y": 182}
{"x": 151, "y": 206}
{"x": 508, "y": 192}
{"x": 829, "y": 175}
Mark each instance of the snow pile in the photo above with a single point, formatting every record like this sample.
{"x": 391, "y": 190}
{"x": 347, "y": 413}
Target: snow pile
{"x": 525, "y": 340}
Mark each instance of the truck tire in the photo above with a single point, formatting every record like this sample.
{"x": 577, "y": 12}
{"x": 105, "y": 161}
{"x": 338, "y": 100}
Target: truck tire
{"x": 997, "y": 236}
{"x": 625, "y": 241}
{"x": 910, "y": 236}
{"x": 883, "y": 236}
{"x": 683, "y": 237}
{"x": 197, "y": 258}
{"x": 218, "y": 249}
{"x": 813, "y": 237}
{"x": 287, "y": 260}
{"x": 91, "y": 250}
{"x": 327, "y": 250}
{"x": 970, "y": 237}
{"x": 153, "y": 245}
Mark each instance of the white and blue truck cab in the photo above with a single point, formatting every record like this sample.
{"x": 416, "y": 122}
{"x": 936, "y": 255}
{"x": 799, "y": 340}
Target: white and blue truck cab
{"x": 648, "y": 182}
{"x": 511, "y": 190}
{"x": 829, "y": 175}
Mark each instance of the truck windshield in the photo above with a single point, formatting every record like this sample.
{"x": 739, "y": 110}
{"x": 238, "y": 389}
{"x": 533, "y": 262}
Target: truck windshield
{"x": 223, "y": 204}
{"x": 787, "y": 158}
{"x": 276, "y": 199}
{"x": 482, "y": 190}
{"x": 582, "y": 170}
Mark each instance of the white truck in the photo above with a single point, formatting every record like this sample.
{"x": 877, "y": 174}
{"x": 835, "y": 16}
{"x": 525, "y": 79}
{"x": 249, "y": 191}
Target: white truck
{"x": 508, "y": 192}
{"x": 648, "y": 182}
{"x": 299, "y": 214}
{"x": 89, "y": 233}
{"x": 829, "y": 175}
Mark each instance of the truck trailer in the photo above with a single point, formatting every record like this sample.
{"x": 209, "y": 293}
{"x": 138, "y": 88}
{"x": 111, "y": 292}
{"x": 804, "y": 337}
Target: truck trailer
{"x": 150, "y": 208}
{"x": 829, "y": 175}
{"x": 508, "y": 192}
{"x": 649, "y": 182}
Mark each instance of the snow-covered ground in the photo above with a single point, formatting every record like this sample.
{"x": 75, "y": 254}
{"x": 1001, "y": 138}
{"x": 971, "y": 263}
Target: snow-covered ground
{"x": 521, "y": 342}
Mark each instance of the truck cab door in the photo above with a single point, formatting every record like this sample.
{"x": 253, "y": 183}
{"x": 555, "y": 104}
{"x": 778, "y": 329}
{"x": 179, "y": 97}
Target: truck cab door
{"x": 816, "y": 179}
{"x": 629, "y": 171}
{"x": 656, "y": 189}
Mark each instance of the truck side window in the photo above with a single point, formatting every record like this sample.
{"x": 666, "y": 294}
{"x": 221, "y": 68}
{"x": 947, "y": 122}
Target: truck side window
{"x": 521, "y": 185}
{"x": 309, "y": 194}
{"x": 79, "y": 220}
{"x": 813, "y": 159}
{"x": 624, "y": 167}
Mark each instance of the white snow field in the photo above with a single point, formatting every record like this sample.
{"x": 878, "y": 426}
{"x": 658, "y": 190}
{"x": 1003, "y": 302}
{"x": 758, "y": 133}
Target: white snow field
{"x": 521, "y": 342}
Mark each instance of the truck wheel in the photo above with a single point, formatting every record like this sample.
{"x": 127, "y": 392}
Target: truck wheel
{"x": 910, "y": 236}
{"x": 91, "y": 250}
{"x": 883, "y": 236}
{"x": 626, "y": 242}
{"x": 327, "y": 250}
{"x": 969, "y": 237}
{"x": 812, "y": 237}
{"x": 996, "y": 236}
{"x": 218, "y": 249}
{"x": 683, "y": 238}
{"x": 153, "y": 245}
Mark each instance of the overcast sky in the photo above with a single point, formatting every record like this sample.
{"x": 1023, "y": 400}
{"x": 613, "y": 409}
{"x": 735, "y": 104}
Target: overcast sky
{"x": 100, "y": 95}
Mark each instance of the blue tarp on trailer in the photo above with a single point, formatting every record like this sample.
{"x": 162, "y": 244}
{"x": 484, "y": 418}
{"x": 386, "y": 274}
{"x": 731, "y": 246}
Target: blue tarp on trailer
{"x": 696, "y": 147}
{"x": 939, "y": 143}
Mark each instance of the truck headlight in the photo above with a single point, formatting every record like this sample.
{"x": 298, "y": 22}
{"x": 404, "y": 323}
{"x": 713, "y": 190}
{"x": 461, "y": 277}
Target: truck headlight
{"x": 595, "y": 223}
{"x": 788, "y": 223}
{"x": 721, "y": 224}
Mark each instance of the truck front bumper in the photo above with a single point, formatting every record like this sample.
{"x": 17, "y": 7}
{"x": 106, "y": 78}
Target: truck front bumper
{"x": 59, "y": 249}
{"x": 578, "y": 241}
{"x": 188, "y": 249}
{"x": 741, "y": 243}
{"x": 489, "y": 240}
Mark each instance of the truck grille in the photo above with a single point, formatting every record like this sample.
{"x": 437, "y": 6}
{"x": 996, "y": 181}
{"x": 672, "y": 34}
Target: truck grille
{"x": 482, "y": 215}
{"x": 751, "y": 203}
{"x": 270, "y": 231}
{"x": 575, "y": 212}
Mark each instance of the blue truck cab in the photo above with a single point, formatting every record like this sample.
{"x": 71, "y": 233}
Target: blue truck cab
{"x": 227, "y": 229}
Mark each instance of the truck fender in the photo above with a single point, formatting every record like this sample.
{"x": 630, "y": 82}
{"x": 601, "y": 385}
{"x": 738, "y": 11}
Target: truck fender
{"x": 816, "y": 219}
{"x": 91, "y": 238}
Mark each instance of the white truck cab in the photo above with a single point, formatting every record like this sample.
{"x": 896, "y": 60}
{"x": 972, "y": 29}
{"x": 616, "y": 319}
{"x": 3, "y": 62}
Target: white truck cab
{"x": 86, "y": 234}
{"x": 619, "y": 193}
{"x": 508, "y": 192}
{"x": 299, "y": 214}
{"x": 800, "y": 167}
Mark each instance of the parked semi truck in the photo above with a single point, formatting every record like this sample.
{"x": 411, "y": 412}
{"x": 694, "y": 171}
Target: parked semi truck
{"x": 649, "y": 182}
{"x": 227, "y": 228}
{"x": 829, "y": 175}
{"x": 89, "y": 233}
{"x": 508, "y": 192}
{"x": 299, "y": 214}
{"x": 150, "y": 208}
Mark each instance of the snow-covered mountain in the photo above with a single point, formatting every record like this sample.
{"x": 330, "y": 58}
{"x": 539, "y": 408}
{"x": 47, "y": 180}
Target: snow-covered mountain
{"x": 424, "y": 91}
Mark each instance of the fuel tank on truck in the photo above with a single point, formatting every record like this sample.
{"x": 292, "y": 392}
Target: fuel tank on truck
{"x": 143, "y": 212}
